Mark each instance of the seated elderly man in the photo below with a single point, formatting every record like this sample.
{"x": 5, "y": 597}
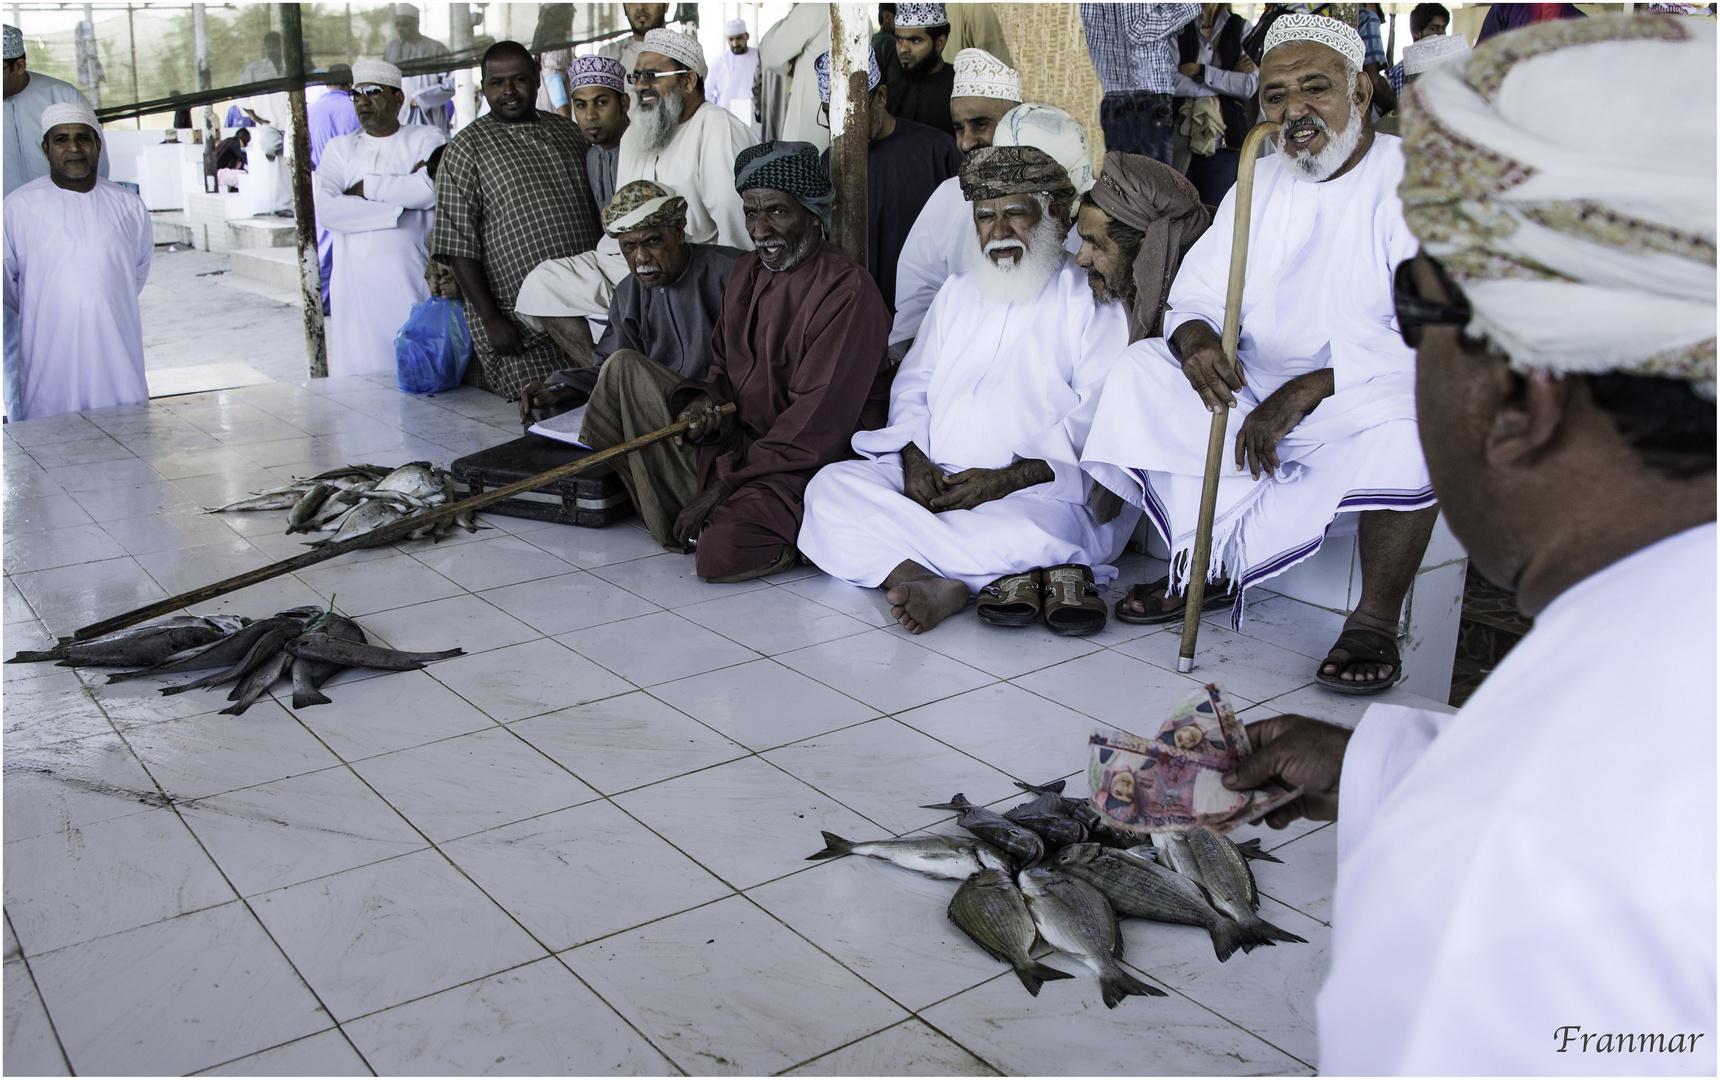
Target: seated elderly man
{"x": 1136, "y": 224}
{"x": 663, "y": 310}
{"x": 674, "y": 137}
{"x": 1322, "y": 410}
{"x": 798, "y": 350}
{"x": 976, "y": 486}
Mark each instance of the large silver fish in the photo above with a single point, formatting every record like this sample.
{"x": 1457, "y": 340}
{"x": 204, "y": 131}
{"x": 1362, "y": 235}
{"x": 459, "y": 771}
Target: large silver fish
{"x": 139, "y": 645}
{"x": 362, "y": 519}
{"x": 307, "y": 506}
{"x": 335, "y": 650}
{"x": 1075, "y": 918}
{"x": 1229, "y": 883}
{"x": 1147, "y": 891}
{"x": 277, "y": 499}
{"x": 415, "y": 479}
{"x": 989, "y": 909}
{"x": 1017, "y": 841}
{"x": 949, "y": 857}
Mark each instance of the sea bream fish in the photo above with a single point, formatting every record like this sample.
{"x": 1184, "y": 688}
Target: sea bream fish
{"x": 1075, "y": 918}
{"x": 990, "y": 910}
{"x": 1017, "y": 841}
{"x": 1148, "y": 891}
{"x": 1229, "y": 883}
{"x": 949, "y": 857}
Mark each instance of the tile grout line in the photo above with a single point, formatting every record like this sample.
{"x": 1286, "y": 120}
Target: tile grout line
{"x": 24, "y": 959}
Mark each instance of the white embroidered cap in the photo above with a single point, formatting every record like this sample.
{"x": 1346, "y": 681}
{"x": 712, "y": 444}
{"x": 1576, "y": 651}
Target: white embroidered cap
{"x": 677, "y": 47}
{"x": 1331, "y": 33}
{"x": 919, "y": 16}
{"x": 69, "y": 112}
{"x": 734, "y": 27}
{"x": 1430, "y": 52}
{"x": 980, "y": 74}
{"x": 1048, "y": 128}
{"x": 377, "y": 72}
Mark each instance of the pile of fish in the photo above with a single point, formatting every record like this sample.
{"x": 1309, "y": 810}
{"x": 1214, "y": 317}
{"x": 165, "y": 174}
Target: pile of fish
{"x": 1051, "y": 869}
{"x": 355, "y": 499}
{"x": 305, "y": 645}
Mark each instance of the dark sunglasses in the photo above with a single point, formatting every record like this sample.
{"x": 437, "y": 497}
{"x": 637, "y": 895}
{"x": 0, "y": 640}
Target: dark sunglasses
{"x": 1414, "y": 311}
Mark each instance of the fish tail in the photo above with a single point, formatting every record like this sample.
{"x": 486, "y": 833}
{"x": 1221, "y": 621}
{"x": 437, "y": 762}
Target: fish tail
{"x": 304, "y": 699}
{"x": 1033, "y": 975}
{"x": 1053, "y": 788}
{"x": 834, "y": 847}
{"x": 1272, "y": 933}
{"x": 960, "y": 802}
{"x": 236, "y": 709}
{"x": 1228, "y": 936}
{"x": 1118, "y": 984}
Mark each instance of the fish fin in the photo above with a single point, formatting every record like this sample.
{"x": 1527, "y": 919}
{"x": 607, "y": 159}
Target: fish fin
{"x": 1227, "y": 937}
{"x": 310, "y": 697}
{"x": 1053, "y": 788}
{"x": 960, "y": 802}
{"x": 236, "y": 709}
{"x": 1118, "y": 984}
{"x": 1033, "y": 975}
{"x": 834, "y": 847}
{"x": 1271, "y": 933}
{"x": 1251, "y": 849}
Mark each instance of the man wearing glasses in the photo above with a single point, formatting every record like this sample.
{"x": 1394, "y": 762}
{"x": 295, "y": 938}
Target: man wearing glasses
{"x": 674, "y": 138}
{"x": 1322, "y": 410}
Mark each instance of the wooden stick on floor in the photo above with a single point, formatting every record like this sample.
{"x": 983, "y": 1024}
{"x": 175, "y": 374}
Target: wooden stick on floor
{"x": 398, "y": 530}
{"x": 1200, "y": 559}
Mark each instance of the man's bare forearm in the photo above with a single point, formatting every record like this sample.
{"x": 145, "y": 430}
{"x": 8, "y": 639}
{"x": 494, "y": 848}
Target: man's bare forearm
{"x": 469, "y": 275}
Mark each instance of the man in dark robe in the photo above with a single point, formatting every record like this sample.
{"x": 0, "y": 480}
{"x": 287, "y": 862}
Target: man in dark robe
{"x": 905, "y": 163}
{"x": 799, "y": 350}
{"x": 922, "y": 94}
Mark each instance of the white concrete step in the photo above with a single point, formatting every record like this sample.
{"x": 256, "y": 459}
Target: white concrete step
{"x": 171, "y": 227}
{"x": 262, "y": 232}
{"x": 275, "y": 267}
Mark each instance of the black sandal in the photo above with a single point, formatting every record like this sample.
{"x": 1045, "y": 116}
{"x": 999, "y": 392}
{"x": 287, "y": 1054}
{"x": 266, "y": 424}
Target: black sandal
{"x": 1365, "y": 646}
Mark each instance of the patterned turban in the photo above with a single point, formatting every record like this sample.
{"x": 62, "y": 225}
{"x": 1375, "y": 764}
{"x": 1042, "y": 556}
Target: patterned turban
{"x": 375, "y": 72}
{"x": 1337, "y": 36}
{"x": 1054, "y": 131}
{"x": 14, "y": 42}
{"x": 921, "y": 16}
{"x": 822, "y": 67}
{"x": 992, "y": 172}
{"x": 794, "y": 167}
{"x": 70, "y": 112}
{"x": 643, "y": 205}
{"x": 980, "y": 74}
{"x": 1423, "y": 56}
{"x": 678, "y": 47}
{"x": 1151, "y": 197}
{"x": 596, "y": 71}
{"x": 1577, "y": 251}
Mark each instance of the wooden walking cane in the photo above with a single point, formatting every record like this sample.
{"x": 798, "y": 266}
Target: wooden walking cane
{"x": 1200, "y": 559}
{"x": 398, "y": 530}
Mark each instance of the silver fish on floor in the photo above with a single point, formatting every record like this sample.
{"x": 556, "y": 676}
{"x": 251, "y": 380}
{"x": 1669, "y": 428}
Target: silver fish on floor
{"x": 1017, "y": 841}
{"x": 949, "y": 857}
{"x": 1075, "y": 918}
{"x": 1223, "y": 871}
{"x": 990, "y": 909}
{"x": 1148, "y": 891}
{"x": 353, "y": 500}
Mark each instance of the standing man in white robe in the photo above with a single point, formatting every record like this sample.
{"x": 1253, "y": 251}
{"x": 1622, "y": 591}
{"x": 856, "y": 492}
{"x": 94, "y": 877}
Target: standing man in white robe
{"x": 77, "y": 252}
{"x": 27, "y": 94}
{"x": 975, "y": 484}
{"x": 676, "y": 138}
{"x": 1492, "y": 915}
{"x": 731, "y": 78}
{"x": 426, "y": 96}
{"x": 375, "y": 197}
{"x": 1322, "y": 417}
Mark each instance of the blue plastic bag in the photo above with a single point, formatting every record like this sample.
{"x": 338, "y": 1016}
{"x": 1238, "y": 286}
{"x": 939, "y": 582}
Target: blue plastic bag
{"x": 432, "y": 350}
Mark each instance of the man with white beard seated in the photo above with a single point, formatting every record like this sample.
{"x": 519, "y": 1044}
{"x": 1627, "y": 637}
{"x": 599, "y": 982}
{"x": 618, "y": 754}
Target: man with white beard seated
{"x": 975, "y": 483}
{"x": 1322, "y": 416}
{"x": 677, "y": 139}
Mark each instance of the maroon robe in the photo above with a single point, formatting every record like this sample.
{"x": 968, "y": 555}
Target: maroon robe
{"x": 802, "y": 355}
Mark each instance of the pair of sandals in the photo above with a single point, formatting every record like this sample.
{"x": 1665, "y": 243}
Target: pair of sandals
{"x": 1063, "y": 597}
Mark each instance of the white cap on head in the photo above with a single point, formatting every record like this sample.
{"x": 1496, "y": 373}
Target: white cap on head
{"x": 912, "y": 16}
{"x": 734, "y": 27}
{"x": 1430, "y": 52}
{"x": 677, "y": 47}
{"x": 70, "y": 112}
{"x": 1337, "y": 36}
{"x": 1048, "y": 128}
{"x": 980, "y": 74}
{"x": 405, "y": 11}
{"x": 379, "y": 72}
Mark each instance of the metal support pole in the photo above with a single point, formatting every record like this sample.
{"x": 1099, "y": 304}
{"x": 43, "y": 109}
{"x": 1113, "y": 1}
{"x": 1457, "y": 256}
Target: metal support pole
{"x": 850, "y": 125}
{"x": 92, "y": 57}
{"x": 211, "y": 129}
{"x": 131, "y": 36}
{"x": 460, "y": 39}
{"x": 304, "y": 209}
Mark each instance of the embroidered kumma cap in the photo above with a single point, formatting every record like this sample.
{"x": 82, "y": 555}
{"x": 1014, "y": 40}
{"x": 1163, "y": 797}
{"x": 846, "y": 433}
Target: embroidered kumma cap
{"x": 377, "y": 72}
{"x": 1331, "y": 33}
{"x": 678, "y": 47}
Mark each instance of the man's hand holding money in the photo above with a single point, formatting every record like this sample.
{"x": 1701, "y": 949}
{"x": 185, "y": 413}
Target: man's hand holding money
{"x": 1297, "y": 752}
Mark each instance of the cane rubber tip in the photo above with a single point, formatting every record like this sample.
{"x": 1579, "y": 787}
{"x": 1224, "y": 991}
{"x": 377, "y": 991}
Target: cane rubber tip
{"x": 1185, "y": 665}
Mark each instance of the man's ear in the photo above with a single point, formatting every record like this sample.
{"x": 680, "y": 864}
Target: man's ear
{"x": 881, "y": 97}
{"x": 1364, "y": 94}
{"x": 1531, "y": 409}
{"x": 939, "y": 42}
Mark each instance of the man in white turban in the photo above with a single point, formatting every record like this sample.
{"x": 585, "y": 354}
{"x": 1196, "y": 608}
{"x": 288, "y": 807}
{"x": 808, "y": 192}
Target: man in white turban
{"x": 77, "y": 254}
{"x": 676, "y": 138}
{"x": 374, "y": 195}
{"x": 730, "y": 82}
{"x": 1492, "y": 916}
{"x": 426, "y": 97}
{"x": 1322, "y": 402}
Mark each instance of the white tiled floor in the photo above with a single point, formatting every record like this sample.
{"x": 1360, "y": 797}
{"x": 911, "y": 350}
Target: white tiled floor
{"x": 581, "y": 847}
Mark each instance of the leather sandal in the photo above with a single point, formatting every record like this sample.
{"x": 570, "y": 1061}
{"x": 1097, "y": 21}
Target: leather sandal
{"x": 1011, "y": 600}
{"x": 1073, "y": 604}
{"x": 1365, "y": 646}
{"x": 1142, "y": 591}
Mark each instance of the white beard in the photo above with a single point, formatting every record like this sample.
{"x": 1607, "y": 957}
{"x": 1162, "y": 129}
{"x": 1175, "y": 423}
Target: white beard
{"x": 1017, "y": 281}
{"x": 1316, "y": 167}
{"x": 657, "y": 126}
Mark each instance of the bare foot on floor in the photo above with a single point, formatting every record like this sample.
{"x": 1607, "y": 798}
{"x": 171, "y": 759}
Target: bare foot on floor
{"x": 923, "y": 603}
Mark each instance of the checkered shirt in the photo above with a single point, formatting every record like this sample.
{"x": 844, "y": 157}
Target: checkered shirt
{"x": 512, "y": 196}
{"x": 1368, "y": 26}
{"x": 1133, "y": 46}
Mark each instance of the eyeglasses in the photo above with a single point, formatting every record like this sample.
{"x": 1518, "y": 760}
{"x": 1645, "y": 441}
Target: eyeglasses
{"x": 1415, "y": 312}
{"x": 634, "y": 78}
{"x": 371, "y": 91}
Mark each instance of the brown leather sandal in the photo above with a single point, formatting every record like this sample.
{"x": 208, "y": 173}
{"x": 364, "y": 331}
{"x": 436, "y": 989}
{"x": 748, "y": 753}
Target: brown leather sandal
{"x": 1365, "y": 645}
{"x": 1011, "y": 600}
{"x": 1142, "y": 593}
{"x": 1073, "y": 604}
